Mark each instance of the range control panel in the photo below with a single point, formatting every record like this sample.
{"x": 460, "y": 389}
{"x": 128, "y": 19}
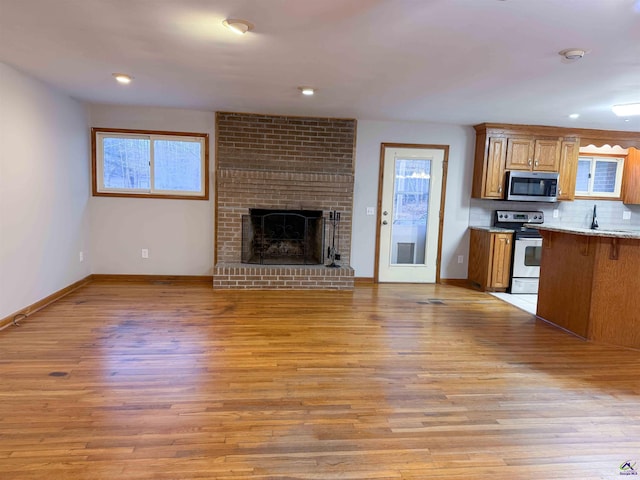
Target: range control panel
{"x": 519, "y": 217}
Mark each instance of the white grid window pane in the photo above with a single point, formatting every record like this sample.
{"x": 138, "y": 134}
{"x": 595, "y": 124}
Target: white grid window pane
{"x": 604, "y": 177}
{"x": 582, "y": 180}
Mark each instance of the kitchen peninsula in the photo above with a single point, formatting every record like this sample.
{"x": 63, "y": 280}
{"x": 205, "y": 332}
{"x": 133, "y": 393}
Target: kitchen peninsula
{"x": 589, "y": 283}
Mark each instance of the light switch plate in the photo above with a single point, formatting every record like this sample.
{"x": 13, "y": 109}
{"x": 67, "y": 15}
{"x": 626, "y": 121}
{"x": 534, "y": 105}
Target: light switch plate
{"x": 371, "y": 211}
{"x": 556, "y": 213}
{"x": 626, "y": 215}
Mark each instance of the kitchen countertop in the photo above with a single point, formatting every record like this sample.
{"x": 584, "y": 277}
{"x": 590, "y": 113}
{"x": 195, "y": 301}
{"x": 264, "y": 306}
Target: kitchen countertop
{"x": 602, "y": 232}
{"x": 492, "y": 229}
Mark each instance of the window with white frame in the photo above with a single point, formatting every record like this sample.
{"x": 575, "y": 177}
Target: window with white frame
{"x": 599, "y": 176}
{"x": 141, "y": 163}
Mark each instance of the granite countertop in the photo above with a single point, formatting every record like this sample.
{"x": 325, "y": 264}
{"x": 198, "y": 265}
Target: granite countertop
{"x": 492, "y": 229}
{"x": 601, "y": 232}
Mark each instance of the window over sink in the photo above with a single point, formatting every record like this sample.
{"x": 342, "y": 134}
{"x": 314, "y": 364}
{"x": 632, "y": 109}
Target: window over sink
{"x": 599, "y": 176}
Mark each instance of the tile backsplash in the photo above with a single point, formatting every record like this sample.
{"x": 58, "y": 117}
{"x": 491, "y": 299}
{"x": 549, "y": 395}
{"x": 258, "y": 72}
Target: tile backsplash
{"x": 571, "y": 214}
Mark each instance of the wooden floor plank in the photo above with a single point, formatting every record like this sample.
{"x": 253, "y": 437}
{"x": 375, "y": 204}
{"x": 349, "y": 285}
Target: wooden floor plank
{"x": 136, "y": 380}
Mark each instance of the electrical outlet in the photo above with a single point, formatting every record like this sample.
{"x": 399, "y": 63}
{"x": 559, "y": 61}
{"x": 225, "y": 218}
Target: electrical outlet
{"x": 556, "y": 213}
{"x": 626, "y": 215}
{"x": 145, "y": 253}
{"x": 81, "y": 256}
{"x": 460, "y": 258}
{"x": 371, "y": 211}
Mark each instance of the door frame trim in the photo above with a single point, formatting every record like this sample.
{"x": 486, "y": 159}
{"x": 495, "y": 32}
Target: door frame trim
{"x": 445, "y": 164}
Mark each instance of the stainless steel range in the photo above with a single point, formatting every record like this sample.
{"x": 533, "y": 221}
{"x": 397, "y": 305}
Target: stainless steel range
{"x": 527, "y": 248}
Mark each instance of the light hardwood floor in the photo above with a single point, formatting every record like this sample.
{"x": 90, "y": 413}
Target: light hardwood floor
{"x": 177, "y": 381}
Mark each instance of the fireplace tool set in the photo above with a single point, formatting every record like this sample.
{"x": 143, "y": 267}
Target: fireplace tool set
{"x": 332, "y": 251}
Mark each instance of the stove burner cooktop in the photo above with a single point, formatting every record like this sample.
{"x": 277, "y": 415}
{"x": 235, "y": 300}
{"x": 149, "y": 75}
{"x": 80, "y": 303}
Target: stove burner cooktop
{"x": 519, "y": 221}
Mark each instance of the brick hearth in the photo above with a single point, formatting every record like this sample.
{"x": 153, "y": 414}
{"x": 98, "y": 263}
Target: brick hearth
{"x": 241, "y": 275}
{"x": 276, "y": 162}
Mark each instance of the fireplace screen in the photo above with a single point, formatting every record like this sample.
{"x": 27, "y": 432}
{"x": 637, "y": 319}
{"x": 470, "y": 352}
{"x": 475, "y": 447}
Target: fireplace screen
{"x": 283, "y": 237}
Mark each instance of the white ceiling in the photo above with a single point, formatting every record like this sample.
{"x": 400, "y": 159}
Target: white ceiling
{"x": 450, "y": 61}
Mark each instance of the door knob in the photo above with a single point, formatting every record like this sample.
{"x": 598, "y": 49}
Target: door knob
{"x": 385, "y": 213}
{"x": 384, "y": 222}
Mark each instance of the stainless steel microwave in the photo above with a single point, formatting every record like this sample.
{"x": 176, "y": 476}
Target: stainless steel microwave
{"x": 532, "y": 186}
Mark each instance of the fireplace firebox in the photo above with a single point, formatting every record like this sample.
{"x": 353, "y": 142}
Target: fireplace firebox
{"x": 283, "y": 237}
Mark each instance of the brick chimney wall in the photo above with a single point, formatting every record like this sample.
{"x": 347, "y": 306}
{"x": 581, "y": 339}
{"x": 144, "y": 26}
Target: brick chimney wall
{"x": 278, "y": 162}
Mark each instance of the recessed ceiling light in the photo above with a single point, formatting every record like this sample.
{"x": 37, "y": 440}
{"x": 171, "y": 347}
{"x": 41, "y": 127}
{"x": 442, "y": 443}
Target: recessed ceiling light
{"x": 123, "y": 78}
{"x": 237, "y": 25}
{"x": 572, "y": 53}
{"x": 307, "y": 91}
{"x": 626, "y": 110}
{"x": 573, "y": 116}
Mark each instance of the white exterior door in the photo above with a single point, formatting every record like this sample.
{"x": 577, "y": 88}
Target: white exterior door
{"x": 410, "y": 214}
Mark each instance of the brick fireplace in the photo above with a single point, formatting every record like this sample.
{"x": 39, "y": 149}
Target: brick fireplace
{"x": 279, "y": 163}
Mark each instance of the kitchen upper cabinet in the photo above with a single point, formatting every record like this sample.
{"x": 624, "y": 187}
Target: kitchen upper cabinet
{"x": 533, "y": 154}
{"x": 519, "y": 153}
{"x": 569, "y": 152}
{"x": 489, "y": 179}
{"x": 546, "y": 156}
{"x": 631, "y": 178}
{"x": 502, "y": 147}
{"x": 499, "y": 150}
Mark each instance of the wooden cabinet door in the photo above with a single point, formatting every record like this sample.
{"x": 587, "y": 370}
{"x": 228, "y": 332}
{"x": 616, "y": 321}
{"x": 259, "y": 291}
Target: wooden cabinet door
{"x": 494, "y": 180}
{"x": 569, "y": 152}
{"x": 479, "y": 251}
{"x": 501, "y": 264}
{"x": 519, "y": 153}
{"x": 631, "y": 178}
{"x": 546, "y": 157}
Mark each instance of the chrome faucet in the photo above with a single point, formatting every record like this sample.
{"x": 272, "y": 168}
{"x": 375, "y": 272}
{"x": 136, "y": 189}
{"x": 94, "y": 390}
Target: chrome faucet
{"x": 594, "y": 221}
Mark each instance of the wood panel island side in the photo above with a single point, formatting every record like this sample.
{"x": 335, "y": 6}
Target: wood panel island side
{"x": 590, "y": 283}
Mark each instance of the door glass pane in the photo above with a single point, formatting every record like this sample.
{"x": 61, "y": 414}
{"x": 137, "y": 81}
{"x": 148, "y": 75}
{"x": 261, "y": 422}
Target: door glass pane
{"x": 410, "y": 209}
{"x": 532, "y": 256}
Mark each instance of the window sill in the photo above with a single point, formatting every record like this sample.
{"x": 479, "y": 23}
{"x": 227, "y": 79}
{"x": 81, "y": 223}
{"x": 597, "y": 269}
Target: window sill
{"x": 149, "y": 195}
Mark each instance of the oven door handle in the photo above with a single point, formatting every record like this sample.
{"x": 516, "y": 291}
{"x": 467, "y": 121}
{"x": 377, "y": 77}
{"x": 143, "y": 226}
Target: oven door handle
{"x": 533, "y": 241}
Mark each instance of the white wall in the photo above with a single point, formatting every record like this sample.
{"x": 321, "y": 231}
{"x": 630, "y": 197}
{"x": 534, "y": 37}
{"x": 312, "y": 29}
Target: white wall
{"x": 178, "y": 233}
{"x": 455, "y": 239}
{"x": 44, "y": 191}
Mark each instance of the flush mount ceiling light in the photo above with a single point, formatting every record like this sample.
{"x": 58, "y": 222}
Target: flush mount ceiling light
{"x": 626, "y": 110}
{"x": 572, "y": 53}
{"x": 237, "y": 25}
{"x": 308, "y": 91}
{"x": 123, "y": 78}
{"x": 573, "y": 116}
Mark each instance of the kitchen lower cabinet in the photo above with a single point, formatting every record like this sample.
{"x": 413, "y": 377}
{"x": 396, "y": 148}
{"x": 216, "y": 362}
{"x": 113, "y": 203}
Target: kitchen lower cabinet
{"x": 490, "y": 259}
